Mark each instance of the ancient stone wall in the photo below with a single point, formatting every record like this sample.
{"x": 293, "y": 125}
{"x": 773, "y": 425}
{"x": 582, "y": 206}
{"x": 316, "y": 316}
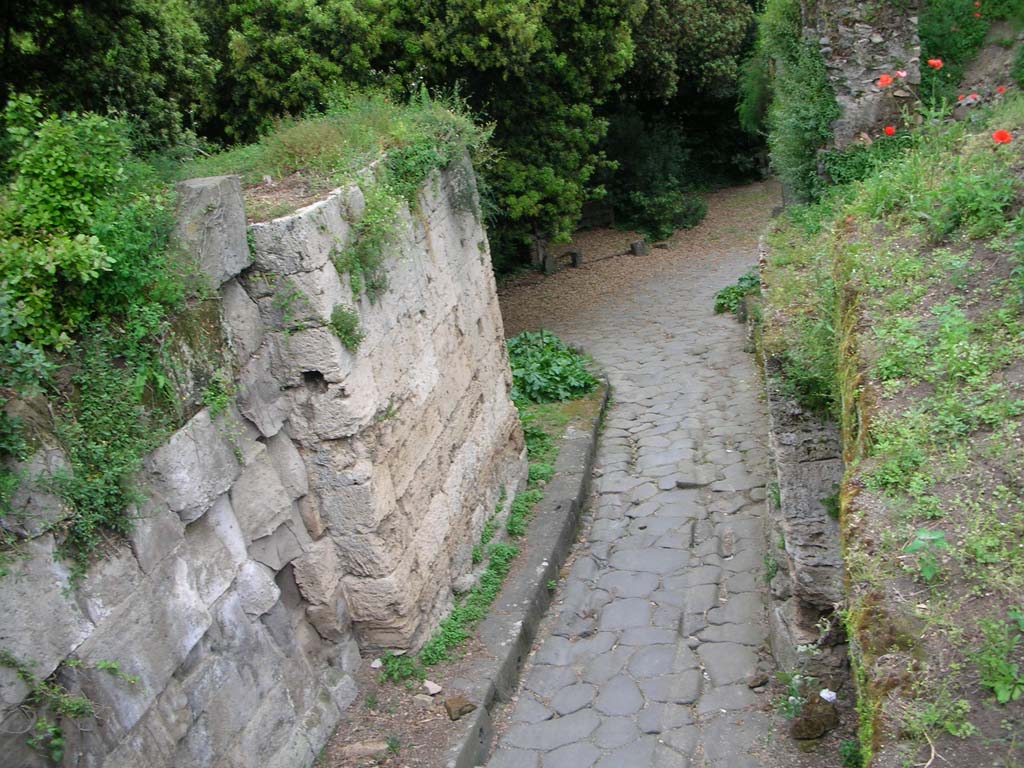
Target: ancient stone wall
{"x": 328, "y": 510}
{"x": 860, "y": 41}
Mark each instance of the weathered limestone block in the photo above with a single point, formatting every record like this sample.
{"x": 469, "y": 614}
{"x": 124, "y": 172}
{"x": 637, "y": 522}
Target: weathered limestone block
{"x": 312, "y": 349}
{"x": 33, "y": 508}
{"x": 304, "y": 241}
{"x": 260, "y": 397}
{"x": 109, "y": 583}
{"x": 211, "y": 226}
{"x": 256, "y": 588}
{"x": 812, "y": 536}
{"x": 195, "y": 466}
{"x": 156, "y": 532}
{"x": 215, "y": 549}
{"x": 35, "y": 595}
{"x": 331, "y": 619}
{"x": 289, "y": 464}
{"x": 288, "y": 541}
{"x": 318, "y": 572}
{"x": 241, "y": 321}
{"x": 149, "y": 635}
{"x": 259, "y": 499}
{"x": 158, "y": 733}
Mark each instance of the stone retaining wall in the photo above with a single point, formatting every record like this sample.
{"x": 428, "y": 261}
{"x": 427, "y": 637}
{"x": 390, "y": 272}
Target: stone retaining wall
{"x": 328, "y": 510}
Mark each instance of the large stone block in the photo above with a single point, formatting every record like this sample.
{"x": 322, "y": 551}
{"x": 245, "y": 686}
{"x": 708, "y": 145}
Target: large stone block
{"x": 287, "y": 542}
{"x": 156, "y": 532}
{"x": 215, "y": 550}
{"x": 289, "y": 464}
{"x": 195, "y": 466}
{"x": 211, "y": 226}
{"x": 258, "y": 498}
{"x": 241, "y": 321}
{"x": 109, "y": 582}
{"x": 149, "y": 636}
{"x": 318, "y": 572}
{"x": 301, "y": 242}
{"x": 256, "y": 589}
{"x": 42, "y": 624}
{"x": 33, "y": 507}
{"x": 260, "y": 396}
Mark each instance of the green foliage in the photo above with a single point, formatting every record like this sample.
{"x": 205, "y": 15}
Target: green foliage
{"x": 755, "y": 86}
{"x": 284, "y": 57}
{"x": 949, "y": 31}
{"x": 682, "y": 44}
{"x": 927, "y": 544}
{"x": 105, "y": 431}
{"x": 397, "y": 669}
{"x": 83, "y": 228}
{"x": 345, "y": 324}
{"x": 730, "y": 299}
{"x": 456, "y": 629}
{"x": 999, "y": 670}
{"x": 792, "y": 701}
{"x": 144, "y": 59}
{"x": 803, "y": 104}
{"x": 522, "y": 509}
{"x": 659, "y": 215}
{"x": 219, "y": 393}
{"x": 544, "y": 369}
{"x": 1017, "y": 73}
{"x": 857, "y": 162}
{"x": 49, "y": 701}
{"x": 851, "y": 755}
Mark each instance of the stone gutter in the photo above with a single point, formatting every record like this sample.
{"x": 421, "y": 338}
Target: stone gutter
{"x": 508, "y": 632}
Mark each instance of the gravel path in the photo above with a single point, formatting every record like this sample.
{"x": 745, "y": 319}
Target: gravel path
{"x": 646, "y": 658}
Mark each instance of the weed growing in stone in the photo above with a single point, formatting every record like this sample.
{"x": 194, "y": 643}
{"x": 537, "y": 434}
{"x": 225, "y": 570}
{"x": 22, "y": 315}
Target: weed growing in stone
{"x": 545, "y": 369}
{"x": 345, "y": 324}
{"x": 730, "y": 299}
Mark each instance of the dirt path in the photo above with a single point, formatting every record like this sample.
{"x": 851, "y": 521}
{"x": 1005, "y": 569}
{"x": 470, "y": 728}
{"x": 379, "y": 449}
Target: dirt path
{"x": 660, "y": 624}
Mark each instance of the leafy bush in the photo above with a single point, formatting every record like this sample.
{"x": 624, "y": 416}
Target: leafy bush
{"x": 857, "y": 162}
{"x": 545, "y": 369}
{"x": 659, "y": 215}
{"x": 730, "y": 299}
{"x": 83, "y": 228}
{"x": 1018, "y": 67}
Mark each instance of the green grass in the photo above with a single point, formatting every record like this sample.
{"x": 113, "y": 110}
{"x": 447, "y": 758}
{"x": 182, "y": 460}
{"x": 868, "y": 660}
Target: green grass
{"x": 897, "y": 304}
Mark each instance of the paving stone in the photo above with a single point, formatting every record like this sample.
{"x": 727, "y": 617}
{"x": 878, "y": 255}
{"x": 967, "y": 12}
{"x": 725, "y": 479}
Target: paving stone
{"x": 572, "y": 756}
{"x": 619, "y": 696}
{"x": 678, "y": 688}
{"x": 683, "y": 738}
{"x": 727, "y": 663}
{"x": 615, "y": 732}
{"x": 738, "y": 609}
{"x": 651, "y": 560}
{"x": 514, "y": 758}
{"x": 745, "y": 634}
{"x": 554, "y": 733}
{"x": 727, "y": 698}
{"x": 648, "y": 636}
{"x": 625, "y": 613}
{"x": 547, "y": 680}
{"x": 529, "y": 710}
{"x": 652, "y": 661}
{"x": 659, "y": 716}
{"x": 573, "y": 698}
{"x": 606, "y": 666}
{"x": 629, "y": 583}
{"x": 639, "y": 753}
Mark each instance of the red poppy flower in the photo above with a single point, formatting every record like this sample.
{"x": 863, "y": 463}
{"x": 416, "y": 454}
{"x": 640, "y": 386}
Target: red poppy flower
{"x": 935, "y": 63}
{"x": 901, "y": 73}
{"x": 890, "y": 130}
{"x": 1002, "y": 137}
{"x": 885, "y": 81}
{"x": 961, "y": 97}
{"x": 1001, "y": 90}
{"x": 977, "y": 5}
{"x": 974, "y": 96}
{"x": 977, "y": 15}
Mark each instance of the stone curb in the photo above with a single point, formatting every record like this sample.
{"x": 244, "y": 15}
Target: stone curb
{"x": 508, "y": 632}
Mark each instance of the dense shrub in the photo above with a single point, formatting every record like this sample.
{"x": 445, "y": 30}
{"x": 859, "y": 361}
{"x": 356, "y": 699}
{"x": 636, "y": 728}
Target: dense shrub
{"x": 544, "y": 369}
{"x": 660, "y": 214}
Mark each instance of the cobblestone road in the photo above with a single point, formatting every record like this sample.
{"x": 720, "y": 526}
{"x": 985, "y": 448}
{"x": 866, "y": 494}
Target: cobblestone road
{"x": 661, "y": 620}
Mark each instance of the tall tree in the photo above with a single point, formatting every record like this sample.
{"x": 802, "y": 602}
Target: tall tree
{"x": 144, "y": 58}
